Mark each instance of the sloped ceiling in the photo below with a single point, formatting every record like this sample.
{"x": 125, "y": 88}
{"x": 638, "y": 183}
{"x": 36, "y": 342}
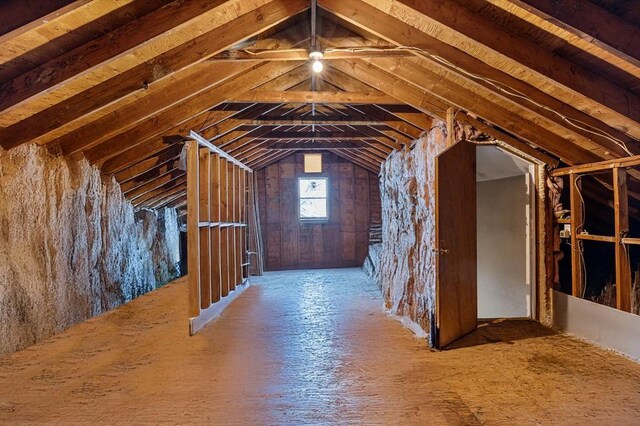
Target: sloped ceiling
{"x": 494, "y": 163}
{"x": 124, "y": 82}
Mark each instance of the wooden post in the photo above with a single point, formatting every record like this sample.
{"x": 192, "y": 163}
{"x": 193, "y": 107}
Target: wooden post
{"x": 245, "y": 230}
{"x": 224, "y": 230}
{"x": 242, "y": 194}
{"x": 238, "y": 229}
{"x": 216, "y": 279}
{"x": 254, "y": 229}
{"x": 577, "y": 272}
{"x": 193, "y": 234}
{"x": 623, "y": 269}
{"x": 451, "y": 126}
{"x": 230, "y": 218}
{"x": 205, "y": 243}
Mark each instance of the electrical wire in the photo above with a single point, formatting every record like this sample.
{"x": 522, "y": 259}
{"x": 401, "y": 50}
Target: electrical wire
{"x": 578, "y": 124}
{"x": 580, "y": 247}
{"x": 512, "y": 92}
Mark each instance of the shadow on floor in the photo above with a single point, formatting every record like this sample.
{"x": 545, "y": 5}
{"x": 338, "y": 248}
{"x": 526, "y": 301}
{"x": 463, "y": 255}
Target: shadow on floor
{"x": 502, "y": 331}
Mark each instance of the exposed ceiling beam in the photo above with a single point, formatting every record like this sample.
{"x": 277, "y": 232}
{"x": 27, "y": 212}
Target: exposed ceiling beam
{"x": 338, "y": 121}
{"x": 21, "y": 21}
{"x": 171, "y": 153}
{"x": 127, "y": 83}
{"x": 508, "y": 139}
{"x": 364, "y": 163}
{"x": 303, "y": 54}
{"x": 145, "y": 108}
{"x": 213, "y": 123}
{"x": 166, "y": 199}
{"x": 292, "y": 79}
{"x": 394, "y": 86}
{"x": 472, "y": 34}
{"x": 236, "y": 140}
{"x": 373, "y": 147}
{"x": 28, "y": 27}
{"x": 415, "y": 117}
{"x": 295, "y": 135}
{"x": 195, "y": 106}
{"x": 226, "y": 131}
{"x": 347, "y": 83}
{"x": 170, "y": 38}
{"x": 443, "y": 79}
{"x": 153, "y": 173}
{"x": 255, "y": 155}
{"x": 270, "y": 159}
{"x": 154, "y": 183}
{"x": 556, "y": 138}
{"x": 314, "y": 146}
{"x": 155, "y": 146}
{"x": 327, "y": 97}
{"x": 492, "y": 113}
{"x": 129, "y": 116}
{"x": 161, "y": 192}
{"x": 587, "y": 21}
{"x": 374, "y": 155}
{"x": 395, "y": 30}
{"x": 177, "y": 202}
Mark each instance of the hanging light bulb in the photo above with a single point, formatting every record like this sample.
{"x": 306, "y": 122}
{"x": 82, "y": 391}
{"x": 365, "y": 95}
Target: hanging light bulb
{"x": 317, "y": 63}
{"x": 317, "y": 66}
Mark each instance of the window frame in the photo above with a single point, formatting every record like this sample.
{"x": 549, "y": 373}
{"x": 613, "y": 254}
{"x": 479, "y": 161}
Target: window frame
{"x": 300, "y": 198}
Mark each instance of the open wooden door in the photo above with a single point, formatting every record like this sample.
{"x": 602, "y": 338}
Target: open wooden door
{"x": 456, "y": 235}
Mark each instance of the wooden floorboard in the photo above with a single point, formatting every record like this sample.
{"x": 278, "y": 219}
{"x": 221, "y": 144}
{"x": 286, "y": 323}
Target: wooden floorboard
{"x": 308, "y": 347}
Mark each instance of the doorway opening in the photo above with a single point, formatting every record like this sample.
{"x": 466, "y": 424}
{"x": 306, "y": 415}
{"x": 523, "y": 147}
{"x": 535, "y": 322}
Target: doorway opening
{"x": 505, "y": 234}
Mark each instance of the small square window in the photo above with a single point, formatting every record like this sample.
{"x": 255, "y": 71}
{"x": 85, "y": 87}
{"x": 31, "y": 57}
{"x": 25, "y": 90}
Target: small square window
{"x": 313, "y": 198}
{"x": 313, "y": 163}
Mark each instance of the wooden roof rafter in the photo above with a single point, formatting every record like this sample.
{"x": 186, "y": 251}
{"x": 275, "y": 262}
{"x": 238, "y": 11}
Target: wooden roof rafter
{"x": 127, "y": 63}
{"x": 393, "y": 29}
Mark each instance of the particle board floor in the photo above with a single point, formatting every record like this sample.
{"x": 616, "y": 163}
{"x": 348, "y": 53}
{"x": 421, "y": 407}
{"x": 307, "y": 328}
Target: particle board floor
{"x": 308, "y": 347}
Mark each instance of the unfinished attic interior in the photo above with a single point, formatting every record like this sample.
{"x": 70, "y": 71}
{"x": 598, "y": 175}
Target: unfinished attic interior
{"x": 319, "y": 212}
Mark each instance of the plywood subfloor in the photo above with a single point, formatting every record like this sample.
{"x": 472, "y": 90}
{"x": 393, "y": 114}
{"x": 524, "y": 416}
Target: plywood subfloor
{"x": 308, "y": 347}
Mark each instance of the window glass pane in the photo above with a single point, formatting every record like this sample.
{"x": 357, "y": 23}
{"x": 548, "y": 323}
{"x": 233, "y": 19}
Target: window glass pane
{"x": 313, "y": 208}
{"x": 313, "y": 188}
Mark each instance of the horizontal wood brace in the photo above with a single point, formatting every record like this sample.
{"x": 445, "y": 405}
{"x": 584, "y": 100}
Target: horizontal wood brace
{"x": 599, "y": 166}
{"x": 631, "y": 241}
{"x": 601, "y": 238}
{"x": 221, "y": 224}
{"x": 205, "y": 143}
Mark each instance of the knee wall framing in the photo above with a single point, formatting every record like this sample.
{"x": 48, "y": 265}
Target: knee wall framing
{"x": 218, "y": 189}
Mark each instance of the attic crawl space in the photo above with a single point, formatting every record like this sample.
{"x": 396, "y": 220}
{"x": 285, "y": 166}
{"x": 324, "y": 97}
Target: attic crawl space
{"x": 319, "y": 211}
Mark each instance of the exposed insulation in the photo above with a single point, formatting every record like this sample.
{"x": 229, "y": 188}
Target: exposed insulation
{"x": 406, "y": 271}
{"x": 71, "y": 246}
{"x": 372, "y": 261}
{"x": 608, "y": 295}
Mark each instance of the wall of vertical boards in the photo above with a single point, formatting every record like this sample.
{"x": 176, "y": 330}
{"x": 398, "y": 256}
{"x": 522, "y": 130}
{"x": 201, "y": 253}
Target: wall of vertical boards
{"x": 217, "y": 229}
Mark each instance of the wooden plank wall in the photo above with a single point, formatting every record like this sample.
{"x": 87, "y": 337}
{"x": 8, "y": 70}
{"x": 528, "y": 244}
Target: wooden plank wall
{"x": 342, "y": 241}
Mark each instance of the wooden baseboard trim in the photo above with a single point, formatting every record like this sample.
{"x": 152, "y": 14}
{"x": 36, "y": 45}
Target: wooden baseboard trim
{"x": 214, "y": 311}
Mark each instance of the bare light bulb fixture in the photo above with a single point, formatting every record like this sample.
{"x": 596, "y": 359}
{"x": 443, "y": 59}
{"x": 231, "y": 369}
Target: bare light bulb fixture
{"x": 316, "y": 57}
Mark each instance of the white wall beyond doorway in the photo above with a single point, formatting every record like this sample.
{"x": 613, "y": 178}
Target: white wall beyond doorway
{"x": 504, "y": 246}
